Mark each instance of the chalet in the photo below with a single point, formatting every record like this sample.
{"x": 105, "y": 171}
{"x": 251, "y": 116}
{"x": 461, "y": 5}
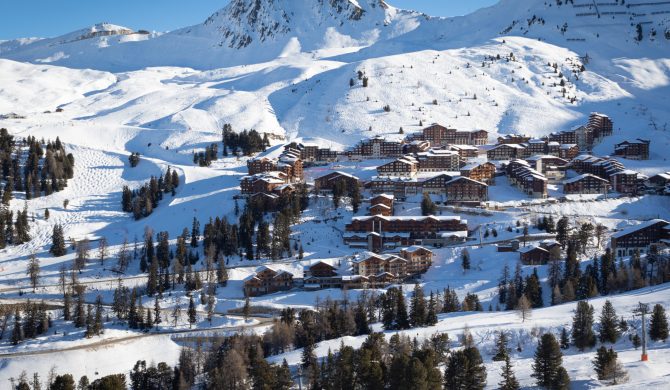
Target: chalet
{"x": 463, "y": 189}
{"x": 376, "y": 242}
{"x": 512, "y": 246}
{"x": 381, "y": 209}
{"x": 403, "y": 167}
{"x": 261, "y": 165}
{"x": 659, "y": 181}
{"x": 262, "y": 182}
{"x": 384, "y": 199}
{"x": 551, "y": 167}
{"x": 586, "y": 184}
{"x": 436, "y": 185}
{"x": 371, "y": 264}
{"x": 536, "y": 146}
{"x": 267, "y": 281}
{"x": 625, "y": 182}
{"x": 436, "y": 160}
{"x": 411, "y": 261}
{"x": 264, "y": 200}
{"x": 465, "y": 151}
{"x": 602, "y": 167}
{"x": 483, "y": 172}
{"x": 320, "y": 269}
{"x": 313, "y": 153}
{"x": 377, "y": 147}
{"x": 416, "y": 146}
{"x": 567, "y": 151}
{"x": 582, "y": 136}
{"x": 420, "y": 228}
{"x": 528, "y": 180}
{"x": 513, "y": 139}
{"x": 554, "y": 149}
{"x": 382, "y": 205}
{"x": 506, "y": 152}
{"x": 533, "y": 255}
{"x": 639, "y": 238}
{"x": 439, "y": 135}
{"x": 633, "y": 150}
{"x": 601, "y": 125}
{"x": 419, "y": 259}
{"x": 400, "y": 187}
{"x": 328, "y": 182}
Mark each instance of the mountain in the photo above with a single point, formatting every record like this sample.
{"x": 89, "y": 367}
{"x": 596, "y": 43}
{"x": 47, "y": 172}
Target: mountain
{"x": 245, "y": 31}
{"x": 284, "y": 66}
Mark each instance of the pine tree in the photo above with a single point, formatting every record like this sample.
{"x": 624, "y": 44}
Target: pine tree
{"x": 582, "y": 326}
{"x": 246, "y": 310}
{"x": 465, "y": 260}
{"x": 562, "y": 381}
{"x": 58, "y": 242}
{"x": 402, "y": 321}
{"x": 509, "y": 381}
{"x": 192, "y": 315}
{"x": 604, "y": 363}
{"x": 157, "y": 312}
{"x": 98, "y": 324}
{"x": 658, "y": 325}
{"x": 502, "y": 351}
{"x": 609, "y": 331}
{"x": 431, "y": 316}
{"x": 417, "y": 315}
{"x": 17, "y": 332}
{"x": 465, "y": 370}
{"x": 565, "y": 339}
{"x": 66, "y": 306}
{"x": 33, "y": 271}
{"x": 548, "y": 359}
{"x": 80, "y": 312}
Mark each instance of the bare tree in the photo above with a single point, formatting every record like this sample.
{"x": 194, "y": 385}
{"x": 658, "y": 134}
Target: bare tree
{"x": 33, "y": 271}
{"x": 102, "y": 250}
{"x": 600, "y": 232}
{"x": 123, "y": 257}
{"x": 176, "y": 314}
{"x": 62, "y": 278}
{"x": 524, "y": 308}
{"x": 82, "y": 253}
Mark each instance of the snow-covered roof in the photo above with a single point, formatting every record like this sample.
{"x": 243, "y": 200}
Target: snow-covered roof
{"x": 409, "y": 218}
{"x": 636, "y": 228}
{"x": 459, "y": 234}
{"x": 626, "y": 172}
{"x": 527, "y": 249}
{"x": 382, "y": 205}
{"x": 415, "y": 248}
{"x": 472, "y": 166}
{"x": 584, "y": 176}
{"x": 459, "y": 178}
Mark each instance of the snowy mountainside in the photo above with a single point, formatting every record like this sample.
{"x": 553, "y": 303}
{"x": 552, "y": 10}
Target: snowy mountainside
{"x": 244, "y": 32}
{"x": 87, "y": 40}
{"x": 26, "y": 88}
{"x": 243, "y": 22}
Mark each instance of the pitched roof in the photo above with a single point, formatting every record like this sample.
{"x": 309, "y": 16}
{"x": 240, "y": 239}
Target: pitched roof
{"x": 643, "y": 225}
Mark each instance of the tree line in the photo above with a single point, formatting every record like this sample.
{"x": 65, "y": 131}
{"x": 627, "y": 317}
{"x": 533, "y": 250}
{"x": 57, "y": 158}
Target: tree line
{"x": 246, "y": 142}
{"x": 142, "y": 201}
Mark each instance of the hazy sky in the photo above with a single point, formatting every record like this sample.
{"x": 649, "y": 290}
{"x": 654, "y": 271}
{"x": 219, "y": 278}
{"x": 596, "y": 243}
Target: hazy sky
{"x": 49, "y": 18}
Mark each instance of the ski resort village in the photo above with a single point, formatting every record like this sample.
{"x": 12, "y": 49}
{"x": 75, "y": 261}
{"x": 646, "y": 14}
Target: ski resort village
{"x": 324, "y": 195}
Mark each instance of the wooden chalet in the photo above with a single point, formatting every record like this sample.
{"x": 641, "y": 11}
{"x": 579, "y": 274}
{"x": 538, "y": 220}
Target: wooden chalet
{"x": 462, "y": 189}
{"x": 586, "y": 184}
{"x": 328, "y": 182}
{"x": 639, "y": 238}
{"x": 267, "y": 281}
{"x": 483, "y": 172}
